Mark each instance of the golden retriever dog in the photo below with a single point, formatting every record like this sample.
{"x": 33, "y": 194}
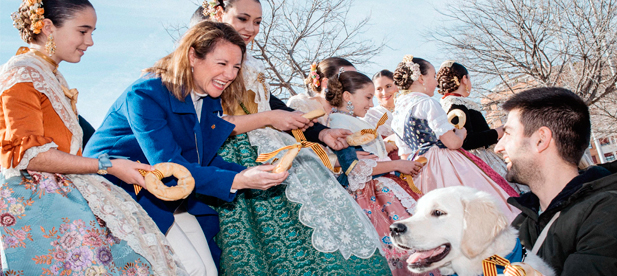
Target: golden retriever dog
{"x": 454, "y": 229}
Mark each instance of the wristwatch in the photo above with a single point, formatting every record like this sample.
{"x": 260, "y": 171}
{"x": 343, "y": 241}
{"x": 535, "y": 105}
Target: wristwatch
{"x": 104, "y": 164}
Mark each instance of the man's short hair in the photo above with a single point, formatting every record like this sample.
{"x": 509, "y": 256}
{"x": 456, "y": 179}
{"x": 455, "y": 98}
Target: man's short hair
{"x": 560, "y": 110}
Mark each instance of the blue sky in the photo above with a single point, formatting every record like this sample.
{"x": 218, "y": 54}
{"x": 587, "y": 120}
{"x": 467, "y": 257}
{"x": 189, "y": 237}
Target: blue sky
{"x": 131, "y": 36}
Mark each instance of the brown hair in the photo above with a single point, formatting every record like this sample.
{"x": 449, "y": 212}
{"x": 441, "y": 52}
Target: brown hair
{"x": 449, "y": 78}
{"x": 346, "y": 81}
{"x": 402, "y": 74}
{"x": 327, "y": 69}
{"x": 58, "y": 11}
{"x": 384, "y": 73}
{"x": 175, "y": 68}
{"x": 562, "y": 111}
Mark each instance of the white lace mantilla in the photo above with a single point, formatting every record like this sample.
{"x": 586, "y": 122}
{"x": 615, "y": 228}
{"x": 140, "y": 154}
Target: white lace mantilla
{"x": 128, "y": 221}
{"x": 28, "y": 67}
{"x": 447, "y": 103}
{"x": 338, "y": 222}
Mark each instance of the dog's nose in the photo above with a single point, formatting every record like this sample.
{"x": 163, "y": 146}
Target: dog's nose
{"x": 397, "y": 229}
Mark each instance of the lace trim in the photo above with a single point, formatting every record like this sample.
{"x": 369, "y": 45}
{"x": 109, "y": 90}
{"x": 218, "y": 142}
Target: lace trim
{"x": 362, "y": 173}
{"x": 406, "y": 199}
{"x": 447, "y": 103}
{"x": 29, "y": 68}
{"x": 128, "y": 221}
{"x": 25, "y": 160}
{"x": 251, "y": 69}
{"x": 338, "y": 222}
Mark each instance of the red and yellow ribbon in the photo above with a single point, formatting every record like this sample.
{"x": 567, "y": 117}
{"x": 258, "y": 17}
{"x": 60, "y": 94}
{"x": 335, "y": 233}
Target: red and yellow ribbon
{"x": 381, "y": 121}
{"x": 489, "y": 266}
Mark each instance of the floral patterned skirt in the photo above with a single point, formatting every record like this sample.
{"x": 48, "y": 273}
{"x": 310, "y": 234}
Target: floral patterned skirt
{"x": 48, "y": 228}
{"x": 261, "y": 233}
{"x": 388, "y": 199}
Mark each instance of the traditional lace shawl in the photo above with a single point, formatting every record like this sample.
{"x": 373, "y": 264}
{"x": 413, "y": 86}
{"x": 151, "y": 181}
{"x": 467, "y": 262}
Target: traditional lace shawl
{"x": 447, "y": 103}
{"x": 420, "y": 106}
{"x": 338, "y": 223}
{"x": 124, "y": 217}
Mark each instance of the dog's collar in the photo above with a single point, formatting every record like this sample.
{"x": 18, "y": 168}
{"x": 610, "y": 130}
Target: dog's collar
{"x": 496, "y": 264}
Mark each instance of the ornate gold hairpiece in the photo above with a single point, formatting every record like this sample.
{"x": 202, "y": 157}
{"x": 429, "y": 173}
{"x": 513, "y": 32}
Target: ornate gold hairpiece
{"x": 209, "y": 8}
{"x": 408, "y": 58}
{"x": 448, "y": 63}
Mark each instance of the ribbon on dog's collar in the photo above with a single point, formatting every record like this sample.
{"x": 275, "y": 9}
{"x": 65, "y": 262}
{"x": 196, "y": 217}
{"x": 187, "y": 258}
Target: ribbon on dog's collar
{"x": 489, "y": 265}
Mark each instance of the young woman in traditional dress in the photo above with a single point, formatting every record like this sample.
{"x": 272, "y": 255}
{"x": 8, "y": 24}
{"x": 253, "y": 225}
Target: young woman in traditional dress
{"x": 57, "y": 216}
{"x": 423, "y": 125}
{"x": 386, "y": 91}
{"x": 310, "y": 226}
{"x": 384, "y": 197}
{"x": 455, "y": 85}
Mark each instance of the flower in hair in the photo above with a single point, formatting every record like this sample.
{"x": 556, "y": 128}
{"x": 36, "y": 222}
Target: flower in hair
{"x": 314, "y": 76}
{"x": 35, "y": 8}
{"x": 414, "y": 67}
{"x": 210, "y": 8}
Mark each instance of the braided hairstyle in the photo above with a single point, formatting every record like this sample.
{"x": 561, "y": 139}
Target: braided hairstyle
{"x": 403, "y": 73}
{"x": 347, "y": 81}
{"x": 327, "y": 69}
{"x": 199, "y": 14}
{"x": 449, "y": 78}
{"x": 58, "y": 11}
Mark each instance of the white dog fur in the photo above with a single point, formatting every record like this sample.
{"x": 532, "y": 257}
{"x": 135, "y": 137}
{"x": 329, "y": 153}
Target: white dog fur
{"x": 470, "y": 222}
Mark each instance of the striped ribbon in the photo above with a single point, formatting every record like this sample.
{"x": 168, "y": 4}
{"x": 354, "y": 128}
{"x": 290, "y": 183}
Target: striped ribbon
{"x": 158, "y": 174}
{"x": 489, "y": 267}
{"x": 301, "y": 139}
{"x": 381, "y": 121}
{"x": 407, "y": 178}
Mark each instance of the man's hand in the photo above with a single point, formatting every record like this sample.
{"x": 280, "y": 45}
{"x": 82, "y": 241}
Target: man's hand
{"x": 335, "y": 138}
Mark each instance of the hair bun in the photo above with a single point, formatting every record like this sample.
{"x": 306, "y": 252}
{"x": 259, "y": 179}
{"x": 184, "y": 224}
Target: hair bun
{"x": 334, "y": 95}
{"x": 402, "y": 76}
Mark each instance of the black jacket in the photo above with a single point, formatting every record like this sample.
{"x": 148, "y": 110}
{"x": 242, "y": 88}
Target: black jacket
{"x": 312, "y": 133}
{"x": 583, "y": 240}
{"x": 479, "y": 134}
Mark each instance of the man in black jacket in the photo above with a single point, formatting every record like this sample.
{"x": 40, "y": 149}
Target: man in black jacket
{"x": 547, "y": 131}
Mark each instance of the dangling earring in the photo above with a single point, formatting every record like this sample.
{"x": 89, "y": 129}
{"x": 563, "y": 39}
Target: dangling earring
{"x": 50, "y": 45}
{"x": 350, "y": 108}
{"x": 252, "y": 45}
{"x": 192, "y": 70}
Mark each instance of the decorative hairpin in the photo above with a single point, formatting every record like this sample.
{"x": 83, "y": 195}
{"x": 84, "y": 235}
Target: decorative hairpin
{"x": 209, "y": 8}
{"x": 314, "y": 76}
{"x": 455, "y": 79}
{"x": 447, "y": 64}
{"x": 340, "y": 70}
{"x": 414, "y": 67}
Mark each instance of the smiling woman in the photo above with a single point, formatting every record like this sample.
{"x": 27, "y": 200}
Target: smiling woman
{"x": 173, "y": 114}
{"x": 88, "y": 226}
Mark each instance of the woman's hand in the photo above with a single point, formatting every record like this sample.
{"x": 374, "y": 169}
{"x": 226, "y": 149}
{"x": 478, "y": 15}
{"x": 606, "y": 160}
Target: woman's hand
{"x": 462, "y": 133}
{"x": 365, "y": 155}
{"x": 285, "y": 120}
{"x": 335, "y": 138}
{"x": 127, "y": 171}
{"x": 258, "y": 178}
{"x": 391, "y": 146}
{"x": 499, "y": 132}
{"x": 408, "y": 167}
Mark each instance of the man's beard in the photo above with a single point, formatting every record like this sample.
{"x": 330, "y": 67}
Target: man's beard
{"x": 524, "y": 173}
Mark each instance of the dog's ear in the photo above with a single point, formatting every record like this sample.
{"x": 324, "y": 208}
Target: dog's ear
{"x": 482, "y": 223}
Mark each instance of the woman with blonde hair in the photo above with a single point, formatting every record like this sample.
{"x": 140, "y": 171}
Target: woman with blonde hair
{"x": 173, "y": 114}
{"x": 57, "y": 216}
{"x": 310, "y": 226}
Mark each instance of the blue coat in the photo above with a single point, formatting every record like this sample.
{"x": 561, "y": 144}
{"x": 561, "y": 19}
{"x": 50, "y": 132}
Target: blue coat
{"x": 147, "y": 123}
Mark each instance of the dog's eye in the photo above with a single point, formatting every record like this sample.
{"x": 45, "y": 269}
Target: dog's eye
{"x": 438, "y": 213}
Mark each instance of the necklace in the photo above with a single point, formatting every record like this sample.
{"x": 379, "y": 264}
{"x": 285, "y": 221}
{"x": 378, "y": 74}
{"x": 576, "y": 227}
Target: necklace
{"x": 46, "y": 58}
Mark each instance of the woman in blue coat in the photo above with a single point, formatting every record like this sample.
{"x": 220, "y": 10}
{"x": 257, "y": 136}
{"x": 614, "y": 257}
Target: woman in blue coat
{"x": 173, "y": 114}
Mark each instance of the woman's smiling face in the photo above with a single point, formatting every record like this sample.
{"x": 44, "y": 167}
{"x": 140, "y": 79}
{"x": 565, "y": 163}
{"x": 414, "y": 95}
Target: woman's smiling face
{"x": 245, "y": 17}
{"x": 385, "y": 90}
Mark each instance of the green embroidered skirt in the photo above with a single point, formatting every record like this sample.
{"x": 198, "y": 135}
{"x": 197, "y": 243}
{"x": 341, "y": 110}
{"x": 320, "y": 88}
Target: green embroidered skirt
{"x": 262, "y": 235}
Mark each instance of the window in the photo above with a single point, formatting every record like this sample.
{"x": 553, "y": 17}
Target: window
{"x": 609, "y": 157}
{"x": 604, "y": 142}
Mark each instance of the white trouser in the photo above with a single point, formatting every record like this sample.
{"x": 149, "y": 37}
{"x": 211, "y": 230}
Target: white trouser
{"x": 190, "y": 244}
